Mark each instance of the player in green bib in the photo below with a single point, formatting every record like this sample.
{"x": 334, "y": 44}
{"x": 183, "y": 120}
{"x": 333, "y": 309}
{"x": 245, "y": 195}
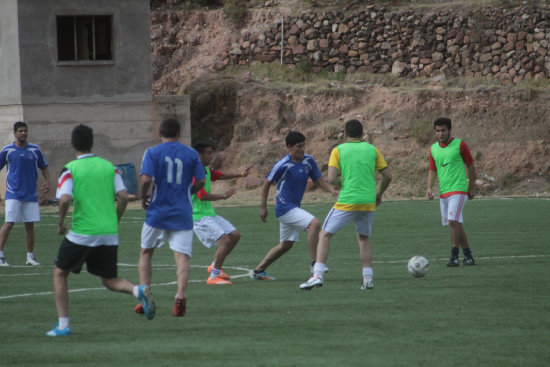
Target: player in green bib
{"x": 91, "y": 183}
{"x": 358, "y": 162}
{"x": 448, "y": 158}
{"x": 212, "y": 229}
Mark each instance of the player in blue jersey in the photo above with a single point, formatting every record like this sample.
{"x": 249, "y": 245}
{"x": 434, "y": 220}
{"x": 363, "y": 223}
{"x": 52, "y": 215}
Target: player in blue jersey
{"x": 169, "y": 169}
{"x": 291, "y": 175}
{"x": 22, "y": 160}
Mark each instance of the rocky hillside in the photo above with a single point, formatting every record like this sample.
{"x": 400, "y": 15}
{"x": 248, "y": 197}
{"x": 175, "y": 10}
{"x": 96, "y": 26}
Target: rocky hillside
{"x": 249, "y": 107}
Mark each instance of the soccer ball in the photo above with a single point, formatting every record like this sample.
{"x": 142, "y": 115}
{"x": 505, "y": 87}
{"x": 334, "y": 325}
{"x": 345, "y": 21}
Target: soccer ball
{"x": 418, "y": 266}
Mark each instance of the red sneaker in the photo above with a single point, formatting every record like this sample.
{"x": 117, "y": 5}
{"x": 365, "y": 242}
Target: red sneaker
{"x": 180, "y": 307}
{"x": 218, "y": 281}
{"x": 139, "y": 309}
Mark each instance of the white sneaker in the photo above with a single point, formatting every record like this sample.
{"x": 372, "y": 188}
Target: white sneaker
{"x": 311, "y": 283}
{"x": 367, "y": 284}
{"x": 3, "y": 262}
{"x": 32, "y": 262}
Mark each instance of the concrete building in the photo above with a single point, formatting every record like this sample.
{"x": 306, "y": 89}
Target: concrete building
{"x": 65, "y": 62}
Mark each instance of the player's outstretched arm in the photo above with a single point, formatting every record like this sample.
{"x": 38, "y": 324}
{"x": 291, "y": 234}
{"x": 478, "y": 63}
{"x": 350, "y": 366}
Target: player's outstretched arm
{"x": 326, "y": 186}
{"x": 64, "y": 204}
{"x": 46, "y": 175}
{"x": 431, "y": 181}
{"x": 386, "y": 179}
{"x": 228, "y": 176}
{"x": 264, "y": 195}
{"x": 215, "y": 197}
{"x": 144, "y": 186}
{"x": 121, "y": 203}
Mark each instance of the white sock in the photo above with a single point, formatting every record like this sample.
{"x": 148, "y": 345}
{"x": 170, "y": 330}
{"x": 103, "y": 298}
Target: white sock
{"x": 30, "y": 255}
{"x": 2, "y": 254}
{"x": 215, "y": 273}
{"x": 63, "y": 322}
{"x": 135, "y": 291}
{"x": 318, "y": 269}
{"x": 367, "y": 272}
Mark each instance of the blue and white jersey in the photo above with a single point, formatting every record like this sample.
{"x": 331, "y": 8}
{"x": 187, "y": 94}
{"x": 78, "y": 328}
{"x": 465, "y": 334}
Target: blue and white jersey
{"x": 291, "y": 179}
{"x": 172, "y": 166}
{"x": 22, "y": 166}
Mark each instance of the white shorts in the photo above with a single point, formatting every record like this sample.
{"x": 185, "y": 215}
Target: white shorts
{"x": 210, "y": 229}
{"x": 451, "y": 208}
{"x": 179, "y": 241}
{"x": 336, "y": 219}
{"x": 22, "y": 211}
{"x": 292, "y": 222}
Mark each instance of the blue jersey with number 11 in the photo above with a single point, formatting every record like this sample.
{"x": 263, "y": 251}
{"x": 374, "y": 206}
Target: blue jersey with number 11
{"x": 172, "y": 166}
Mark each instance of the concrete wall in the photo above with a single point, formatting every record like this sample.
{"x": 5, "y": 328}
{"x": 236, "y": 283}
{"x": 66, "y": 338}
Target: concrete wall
{"x": 126, "y": 78}
{"x": 10, "y": 83}
{"x": 113, "y": 97}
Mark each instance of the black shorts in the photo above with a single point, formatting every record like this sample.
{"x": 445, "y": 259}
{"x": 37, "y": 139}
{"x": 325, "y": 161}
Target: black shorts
{"x": 100, "y": 261}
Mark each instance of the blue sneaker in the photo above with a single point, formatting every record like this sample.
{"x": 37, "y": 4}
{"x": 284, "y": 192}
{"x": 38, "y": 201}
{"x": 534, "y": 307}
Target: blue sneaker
{"x": 260, "y": 276}
{"x": 146, "y": 299}
{"x": 59, "y": 332}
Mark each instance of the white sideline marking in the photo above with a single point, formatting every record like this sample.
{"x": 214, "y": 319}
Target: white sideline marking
{"x": 246, "y": 270}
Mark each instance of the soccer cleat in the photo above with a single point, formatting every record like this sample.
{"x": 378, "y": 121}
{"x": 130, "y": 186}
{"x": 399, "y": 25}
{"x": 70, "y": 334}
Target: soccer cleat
{"x": 218, "y": 281}
{"x": 3, "y": 262}
{"x": 32, "y": 262}
{"x": 468, "y": 261}
{"x": 139, "y": 309}
{"x": 180, "y": 307}
{"x": 453, "y": 262}
{"x": 311, "y": 283}
{"x": 56, "y": 331}
{"x": 146, "y": 299}
{"x": 223, "y": 274}
{"x": 367, "y": 283}
{"x": 260, "y": 276}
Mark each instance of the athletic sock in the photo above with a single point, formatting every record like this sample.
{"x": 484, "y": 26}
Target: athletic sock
{"x": 454, "y": 252}
{"x": 30, "y": 255}
{"x": 180, "y": 296}
{"x": 467, "y": 252}
{"x": 135, "y": 291}
{"x": 367, "y": 272}
{"x": 318, "y": 269}
{"x": 2, "y": 254}
{"x": 63, "y": 322}
{"x": 215, "y": 273}
{"x": 258, "y": 271}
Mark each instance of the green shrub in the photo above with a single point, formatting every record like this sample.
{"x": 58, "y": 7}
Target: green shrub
{"x": 508, "y": 181}
{"x": 422, "y": 132}
{"x": 236, "y": 13}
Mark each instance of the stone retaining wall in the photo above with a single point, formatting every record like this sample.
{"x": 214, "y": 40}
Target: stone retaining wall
{"x": 510, "y": 44}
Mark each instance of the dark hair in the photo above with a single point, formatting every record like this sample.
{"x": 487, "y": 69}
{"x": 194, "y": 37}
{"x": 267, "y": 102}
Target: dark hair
{"x": 17, "y": 125}
{"x": 443, "y": 121}
{"x": 354, "y": 128}
{"x": 82, "y": 138}
{"x": 169, "y": 128}
{"x": 201, "y": 146}
{"x": 293, "y": 138}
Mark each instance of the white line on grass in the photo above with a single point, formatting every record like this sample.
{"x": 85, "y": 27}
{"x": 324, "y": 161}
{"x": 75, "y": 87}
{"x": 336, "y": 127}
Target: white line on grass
{"x": 242, "y": 268}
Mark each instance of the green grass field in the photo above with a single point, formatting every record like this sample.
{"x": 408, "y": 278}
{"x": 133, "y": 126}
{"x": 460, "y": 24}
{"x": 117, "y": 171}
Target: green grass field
{"x": 493, "y": 314}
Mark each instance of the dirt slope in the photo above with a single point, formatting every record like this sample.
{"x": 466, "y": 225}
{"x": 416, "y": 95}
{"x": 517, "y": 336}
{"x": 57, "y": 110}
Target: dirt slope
{"x": 508, "y": 129}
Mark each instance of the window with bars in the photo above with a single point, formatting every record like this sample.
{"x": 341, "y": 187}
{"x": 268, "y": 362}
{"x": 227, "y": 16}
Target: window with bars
{"x": 84, "y": 38}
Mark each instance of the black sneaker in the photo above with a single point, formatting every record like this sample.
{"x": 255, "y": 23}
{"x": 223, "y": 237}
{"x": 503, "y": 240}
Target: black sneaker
{"x": 468, "y": 261}
{"x": 453, "y": 262}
